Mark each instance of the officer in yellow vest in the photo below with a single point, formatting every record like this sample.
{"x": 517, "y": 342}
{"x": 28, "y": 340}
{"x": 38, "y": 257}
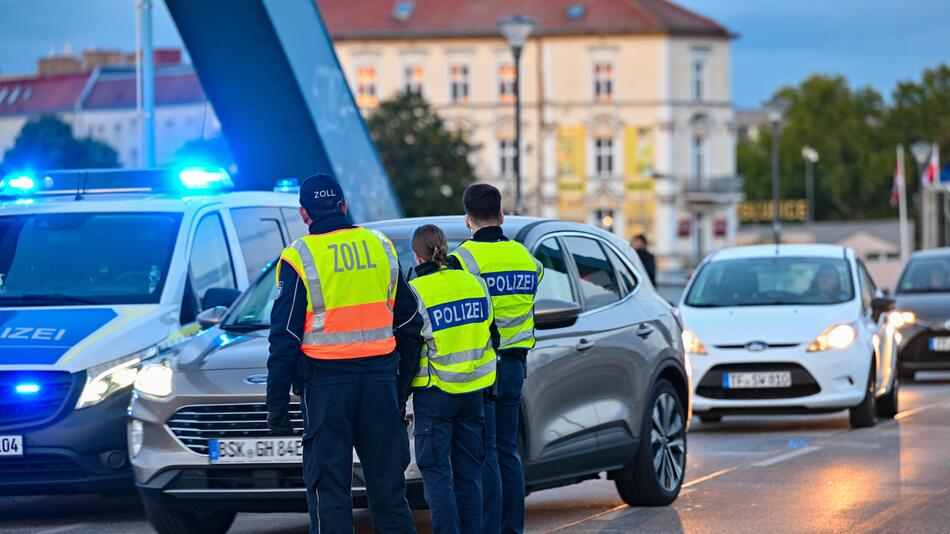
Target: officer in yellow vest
{"x": 457, "y": 364}
{"x": 342, "y": 310}
{"x": 512, "y": 275}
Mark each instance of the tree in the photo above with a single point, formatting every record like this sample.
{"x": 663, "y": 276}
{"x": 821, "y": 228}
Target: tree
{"x": 853, "y": 177}
{"x": 430, "y": 165}
{"x": 48, "y": 143}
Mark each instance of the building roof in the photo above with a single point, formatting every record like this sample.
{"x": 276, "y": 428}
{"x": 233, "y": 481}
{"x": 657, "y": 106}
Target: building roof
{"x": 29, "y": 95}
{"x": 115, "y": 88}
{"x": 395, "y": 19}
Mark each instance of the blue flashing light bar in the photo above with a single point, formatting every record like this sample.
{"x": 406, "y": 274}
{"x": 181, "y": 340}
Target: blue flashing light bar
{"x": 287, "y": 185}
{"x": 18, "y": 184}
{"x": 205, "y": 178}
{"x": 27, "y": 388}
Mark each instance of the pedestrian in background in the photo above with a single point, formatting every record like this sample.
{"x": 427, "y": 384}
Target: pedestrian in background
{"x": 646, "y": 257}
{"x": 457, "y": 364}
{"x": 512, "y": 275}
{"x": 342, "y": 310}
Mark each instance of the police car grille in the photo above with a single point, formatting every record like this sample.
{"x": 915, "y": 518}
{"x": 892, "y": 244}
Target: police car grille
{"x": 19, "y": 408}
{"x": 195, "y": 425}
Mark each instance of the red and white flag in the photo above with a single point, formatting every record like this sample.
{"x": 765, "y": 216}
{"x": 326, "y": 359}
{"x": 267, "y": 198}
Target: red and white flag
{"x": 898, "y": 178}
{"x": 931, "y": 174}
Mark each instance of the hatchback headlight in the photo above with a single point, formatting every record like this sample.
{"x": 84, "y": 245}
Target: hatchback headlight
{"x": 900, "y": 319}
{"x": 839, "y": 336}
{"x": 102, "y": 381}
{"x": 691, "y": 343}
{"x": 154, "y": 379}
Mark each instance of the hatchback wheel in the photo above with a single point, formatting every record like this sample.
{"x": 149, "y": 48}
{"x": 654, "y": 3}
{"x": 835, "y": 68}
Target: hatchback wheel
{"x": 166, "y": 521}
{"x": 865, "y": 414}
{"x": 661, "y": 460}
{"x": 887, "y": 405}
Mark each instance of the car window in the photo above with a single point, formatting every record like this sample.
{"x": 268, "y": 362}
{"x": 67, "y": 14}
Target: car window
{"x": 867, "y": 286}
{"x": 598, "y": 280}
{"x": 295, "y": 224}
{"x": 627, "y": 279}
{"x": 556, "y": 282}
{"x": 211, "y": 264}
{"x": 926, "y": 275}
{"x": 258, "y": 231}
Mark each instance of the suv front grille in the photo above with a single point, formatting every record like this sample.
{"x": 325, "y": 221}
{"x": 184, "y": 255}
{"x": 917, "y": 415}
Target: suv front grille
{"x": 803, "y": 384}
{"x": 32, "y": 407}
{"x": 195, "y": 425}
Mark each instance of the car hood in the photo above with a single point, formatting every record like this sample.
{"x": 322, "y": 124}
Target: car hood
{"x": 75, "y": 338}
{"x": 219, "y": 349}
{"x": 929, "y": 307}
{"x": 768, "y": 324}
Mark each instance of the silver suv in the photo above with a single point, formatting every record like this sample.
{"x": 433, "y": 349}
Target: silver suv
{"x": 607, "y": 391}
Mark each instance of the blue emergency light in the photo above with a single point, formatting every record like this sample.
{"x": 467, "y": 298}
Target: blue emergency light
{"x": 17, "y": 184}
{"x": 205, "y": 178}
{"x": 27, "y": 388}
{"x": 287, "y": 185}
{"x": 81, "y": 182}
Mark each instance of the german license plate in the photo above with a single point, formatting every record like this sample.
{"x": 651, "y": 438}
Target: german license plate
{"x": 940, "y": 344}
{"x": 774, "y": 379}
{"x": 255, "y": 450}
{"x": 11, "y": 445}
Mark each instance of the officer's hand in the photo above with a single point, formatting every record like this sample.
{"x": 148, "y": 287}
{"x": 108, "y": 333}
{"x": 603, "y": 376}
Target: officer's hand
{"x": 279, "y": 423}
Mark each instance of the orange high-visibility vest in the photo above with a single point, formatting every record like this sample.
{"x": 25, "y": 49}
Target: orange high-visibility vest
{"x": 351, "y": 277}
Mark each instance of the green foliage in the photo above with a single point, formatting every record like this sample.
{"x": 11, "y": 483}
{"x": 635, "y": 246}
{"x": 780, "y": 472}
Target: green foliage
{"x": 48, "y": 143}
{"x": 430, "y": 166}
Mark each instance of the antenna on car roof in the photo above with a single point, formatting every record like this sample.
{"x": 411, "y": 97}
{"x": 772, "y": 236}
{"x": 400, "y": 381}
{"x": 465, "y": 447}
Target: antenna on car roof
{"x": 80, "y": 185}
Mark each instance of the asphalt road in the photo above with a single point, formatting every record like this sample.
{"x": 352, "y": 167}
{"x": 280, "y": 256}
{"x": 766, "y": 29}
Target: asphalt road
{"x": 762, "y": 474}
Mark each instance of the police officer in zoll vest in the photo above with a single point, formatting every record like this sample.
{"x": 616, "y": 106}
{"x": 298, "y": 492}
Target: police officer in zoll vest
{"x": 512, "y": 276}
{"x": 457, "y": 364}
{"x": 342, "y": 317}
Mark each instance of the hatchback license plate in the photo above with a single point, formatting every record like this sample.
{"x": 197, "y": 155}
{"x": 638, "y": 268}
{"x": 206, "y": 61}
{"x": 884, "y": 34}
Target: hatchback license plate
{"x": 940, "y": 344}
{"x": 11, "y": 445}
{"x": 255, "y": 450}
{"x": 775, "y": 379}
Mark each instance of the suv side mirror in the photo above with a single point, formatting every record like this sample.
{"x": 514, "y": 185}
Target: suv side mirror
{"x": 555, "y": 313}
{"x": 219, "y": 296}
{"x": 881, "y": 305}
{"x": 211, "y": 316}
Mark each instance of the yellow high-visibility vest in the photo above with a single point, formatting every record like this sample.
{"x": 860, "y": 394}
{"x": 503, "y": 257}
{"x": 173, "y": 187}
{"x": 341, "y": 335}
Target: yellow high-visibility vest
{"x": 456, "y": 309}
{"x": 512, "y": 275}
{"x": 351, "y": 278}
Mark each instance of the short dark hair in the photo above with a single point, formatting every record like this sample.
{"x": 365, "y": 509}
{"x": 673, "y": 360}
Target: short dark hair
{"x": 482, "y": 202}
{"x": 641, "y": 237}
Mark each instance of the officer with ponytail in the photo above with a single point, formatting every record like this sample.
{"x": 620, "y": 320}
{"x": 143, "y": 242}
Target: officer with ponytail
{"x": 457, "y": 363}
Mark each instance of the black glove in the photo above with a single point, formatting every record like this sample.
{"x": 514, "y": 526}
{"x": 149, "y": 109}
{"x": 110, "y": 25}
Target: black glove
{"x": 279, "y": 423}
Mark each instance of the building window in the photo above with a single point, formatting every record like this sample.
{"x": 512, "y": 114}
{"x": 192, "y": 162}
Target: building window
{"x": 506, "y": 83}
{"x": 699, "y": 75}
{"x": 366, "y": 95}
{"x": 698, "y": 160}
{"x": 603, "y": 156}
{"x": 603, "y": 82}
{"x": 506, "y": 157}
{"x": 458, "y": 76}
{"x": 413, "y": 78}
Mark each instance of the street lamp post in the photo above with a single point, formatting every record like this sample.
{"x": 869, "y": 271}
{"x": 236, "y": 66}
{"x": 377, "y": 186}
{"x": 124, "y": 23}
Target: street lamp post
{"x": 775, "y": 110}
{"x": 516, "y": 29}
{"x": 811, "y": 157}
{"x": 928, "y": 209}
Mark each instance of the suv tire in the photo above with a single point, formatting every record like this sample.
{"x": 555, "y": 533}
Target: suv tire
{"x": 864, "y": 415}
{"x": 166, "y": 521}
{"x": 663, "y": 436}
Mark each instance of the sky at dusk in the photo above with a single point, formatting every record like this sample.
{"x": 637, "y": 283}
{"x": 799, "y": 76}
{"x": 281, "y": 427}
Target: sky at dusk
{"x": 871, "y": 42}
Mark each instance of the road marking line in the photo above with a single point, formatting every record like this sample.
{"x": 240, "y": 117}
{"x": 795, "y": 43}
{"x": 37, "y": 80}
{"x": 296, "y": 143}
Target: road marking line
{"x": 65, "y": 528}
{"x": 914, "y": 411}
{"x": 710, "y": 476}
{"x": 586, "y": 519}
{"x": 787, "y": 456}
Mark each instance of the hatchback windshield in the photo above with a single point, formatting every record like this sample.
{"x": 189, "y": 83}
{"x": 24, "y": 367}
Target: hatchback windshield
{"x": 772, "y": 282}
{"x": 927, "y": 275}
{"x": 85, "y": 258}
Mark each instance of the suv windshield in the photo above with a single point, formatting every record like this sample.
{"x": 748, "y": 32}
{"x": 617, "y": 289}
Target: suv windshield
{"x": 927, "y": 275}
{"x": 85, "y": 258}
{"x": 772, "y": 282}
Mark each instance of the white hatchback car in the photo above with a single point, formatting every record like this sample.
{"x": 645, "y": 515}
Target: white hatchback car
{"x": 789, "y": 329}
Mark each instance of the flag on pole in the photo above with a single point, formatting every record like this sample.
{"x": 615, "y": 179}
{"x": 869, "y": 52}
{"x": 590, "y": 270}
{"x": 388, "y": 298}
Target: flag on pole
{"x": 931, "y": 174}
{"x": 898, "y": 178}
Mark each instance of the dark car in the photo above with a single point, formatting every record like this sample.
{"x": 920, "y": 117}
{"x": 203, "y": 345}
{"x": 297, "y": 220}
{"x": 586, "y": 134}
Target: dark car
{"x": 607, "y": 390}
{"x": 923, "y": 313}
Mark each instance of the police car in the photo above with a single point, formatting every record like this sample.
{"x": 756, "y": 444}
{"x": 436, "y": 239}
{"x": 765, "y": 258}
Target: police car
{"x": 99, "y": 272}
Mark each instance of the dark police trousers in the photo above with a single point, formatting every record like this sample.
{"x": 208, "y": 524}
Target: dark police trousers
{"x": 502, "y": 473}
{"x": 450, "y": 449}
{"x": 346, "y": 410}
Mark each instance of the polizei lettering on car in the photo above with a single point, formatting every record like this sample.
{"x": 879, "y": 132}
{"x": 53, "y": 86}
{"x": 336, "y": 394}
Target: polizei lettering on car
{"x": 511, "y": 283}
{"x": 458, "y": 312}
{"x": 350, "y": 256}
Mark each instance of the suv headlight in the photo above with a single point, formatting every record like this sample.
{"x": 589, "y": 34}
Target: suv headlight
{"x": 900, "y": 319}
{"x": 691, "y": 343}
{"x": 839, "y": 336}
{"x": 102, "y": 381}
{"x": 154, "y": 379}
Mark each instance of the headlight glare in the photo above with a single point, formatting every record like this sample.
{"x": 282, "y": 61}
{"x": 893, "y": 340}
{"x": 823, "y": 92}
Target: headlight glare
{"x": 102, "y": 381}
{"x": 839, "y": 336}
{"x": 900, "y": 319}
{"x": 154, "y": 379}
{"x": 691, "y": 343}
